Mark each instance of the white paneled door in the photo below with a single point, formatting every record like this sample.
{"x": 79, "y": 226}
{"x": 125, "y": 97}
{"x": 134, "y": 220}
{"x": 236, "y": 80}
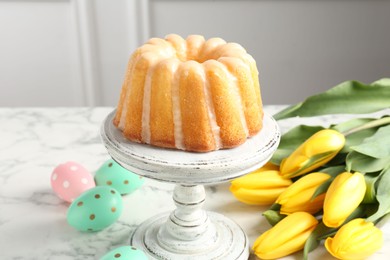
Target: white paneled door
{"x": 65, "y": 52}
{"x": 39, "y": 54}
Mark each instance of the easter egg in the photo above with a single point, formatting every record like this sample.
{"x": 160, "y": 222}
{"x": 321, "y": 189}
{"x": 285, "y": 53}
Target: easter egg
{"x": 95, "y": 209}
{"x": 70, "y": 179}
{"x": 114, "y": 175}
{"x": 125, "y": 253}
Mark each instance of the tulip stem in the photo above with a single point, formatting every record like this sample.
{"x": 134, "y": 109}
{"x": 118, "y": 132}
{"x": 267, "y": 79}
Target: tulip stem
{"x": 374, "y": 123}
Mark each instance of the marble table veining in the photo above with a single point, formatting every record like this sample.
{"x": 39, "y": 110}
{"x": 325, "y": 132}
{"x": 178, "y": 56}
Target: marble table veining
{"x": 33, "y": 219}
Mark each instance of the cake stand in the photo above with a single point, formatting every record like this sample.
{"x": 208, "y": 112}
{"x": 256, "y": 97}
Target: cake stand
{"x": 189, "y": 232}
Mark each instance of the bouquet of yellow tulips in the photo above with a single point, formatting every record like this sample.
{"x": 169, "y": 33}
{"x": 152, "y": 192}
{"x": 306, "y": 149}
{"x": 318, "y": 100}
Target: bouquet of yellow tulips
{"x": 330, "y": 184}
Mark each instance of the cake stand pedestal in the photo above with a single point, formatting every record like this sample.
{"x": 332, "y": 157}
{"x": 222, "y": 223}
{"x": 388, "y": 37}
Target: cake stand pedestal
{"x": 189, "y": 232}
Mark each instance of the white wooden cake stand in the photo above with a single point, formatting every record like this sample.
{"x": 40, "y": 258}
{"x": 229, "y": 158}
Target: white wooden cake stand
{"x": 190, "y": 232}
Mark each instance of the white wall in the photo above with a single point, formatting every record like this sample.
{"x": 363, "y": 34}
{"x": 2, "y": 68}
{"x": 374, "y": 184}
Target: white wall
{"x": 64, "y": 52}
{"x": 37, "y": 65}
{"x": 74, "y": 52}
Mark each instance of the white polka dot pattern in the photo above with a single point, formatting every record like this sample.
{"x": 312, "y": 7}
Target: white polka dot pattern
{"x": 66, "y": 184}
{"x": 74, "y": 168}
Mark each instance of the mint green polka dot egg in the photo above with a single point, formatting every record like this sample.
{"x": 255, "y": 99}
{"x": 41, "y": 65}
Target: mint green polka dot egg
{"x": 95, "y": 209}
{"x": 125, "y": 253}
{"x": 113, "y": 175}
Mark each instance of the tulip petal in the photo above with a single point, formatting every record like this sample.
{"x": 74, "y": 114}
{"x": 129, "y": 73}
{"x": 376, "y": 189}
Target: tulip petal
{"x": 286, "y": 237}
{"x": 317, "y": 150}
{"x": 357, "y": 239}
{"x": 329, "y": 246}
{"x": 262, "y": 180}
{"x": 261, "y": 188}
{"x": 311, "y": 207}
{"x": 266, "y": 167}
{"x": 256, "y": 197}
{"x": 344, "y": 195}
{"x": 298, "y": 196}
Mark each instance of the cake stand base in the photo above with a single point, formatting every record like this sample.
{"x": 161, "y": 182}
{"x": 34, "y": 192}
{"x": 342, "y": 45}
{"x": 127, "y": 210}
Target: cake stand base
{"x": 190, "y": 232}
{"x": 226, "y": 240}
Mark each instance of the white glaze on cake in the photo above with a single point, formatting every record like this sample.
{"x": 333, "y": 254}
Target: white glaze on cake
{"x": 238, "y": 98}
{"x": 178, "y": 130}
{"x": 211, "y": 111}
{"x": 146, "y": 105}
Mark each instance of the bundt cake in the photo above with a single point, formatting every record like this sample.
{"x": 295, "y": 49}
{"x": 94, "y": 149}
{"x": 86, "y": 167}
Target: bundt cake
{"x": 190, "y": 94}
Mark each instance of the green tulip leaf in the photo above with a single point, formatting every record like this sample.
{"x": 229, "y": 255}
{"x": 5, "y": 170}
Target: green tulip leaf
{"x": 337, "y": 160}
{"x": 350, "y": 97}
{"x": 287, "y": 112}
{"x": 315, "y": 238}
{"x": 322, "y": 188}
{"x": 363, "y": 163}
{"x": 355, "y": 138}
{"x": 279, "y": 155}
{"x": 291, "y": 140}
{"x": 377, "y": 145}
{"x": 369, "y": 196}
{"x": 334, "y": 170}
{"x": 311, "y": 244}
{"x": 375, "y": 123}
{"x": 359, "y": 212}
{"x": 382, "y": 196}
{"x": 351, "y": 124}
{"x": 382, "y": 82}
{"x": 273, "y": 216}
{"x": 275, "y": 207}
{"x": 371, "y": 209}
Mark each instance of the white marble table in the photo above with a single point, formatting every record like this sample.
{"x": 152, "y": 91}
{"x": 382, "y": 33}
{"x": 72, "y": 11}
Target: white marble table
{"x": 33, "y": 219}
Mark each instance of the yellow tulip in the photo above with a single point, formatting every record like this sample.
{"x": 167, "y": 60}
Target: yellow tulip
{"x": 298, "y": 197}
{"x": 286, "y": 237}
{"x": 357, "y": 239}
{"x": 319, "y": 149}
{"x": 266, "y": 167}
{"x": 259, "y": 188}
{"x": 344, "y": 195}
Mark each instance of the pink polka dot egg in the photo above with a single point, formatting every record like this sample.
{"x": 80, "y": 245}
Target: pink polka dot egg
{"x": 70, "y": 179}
